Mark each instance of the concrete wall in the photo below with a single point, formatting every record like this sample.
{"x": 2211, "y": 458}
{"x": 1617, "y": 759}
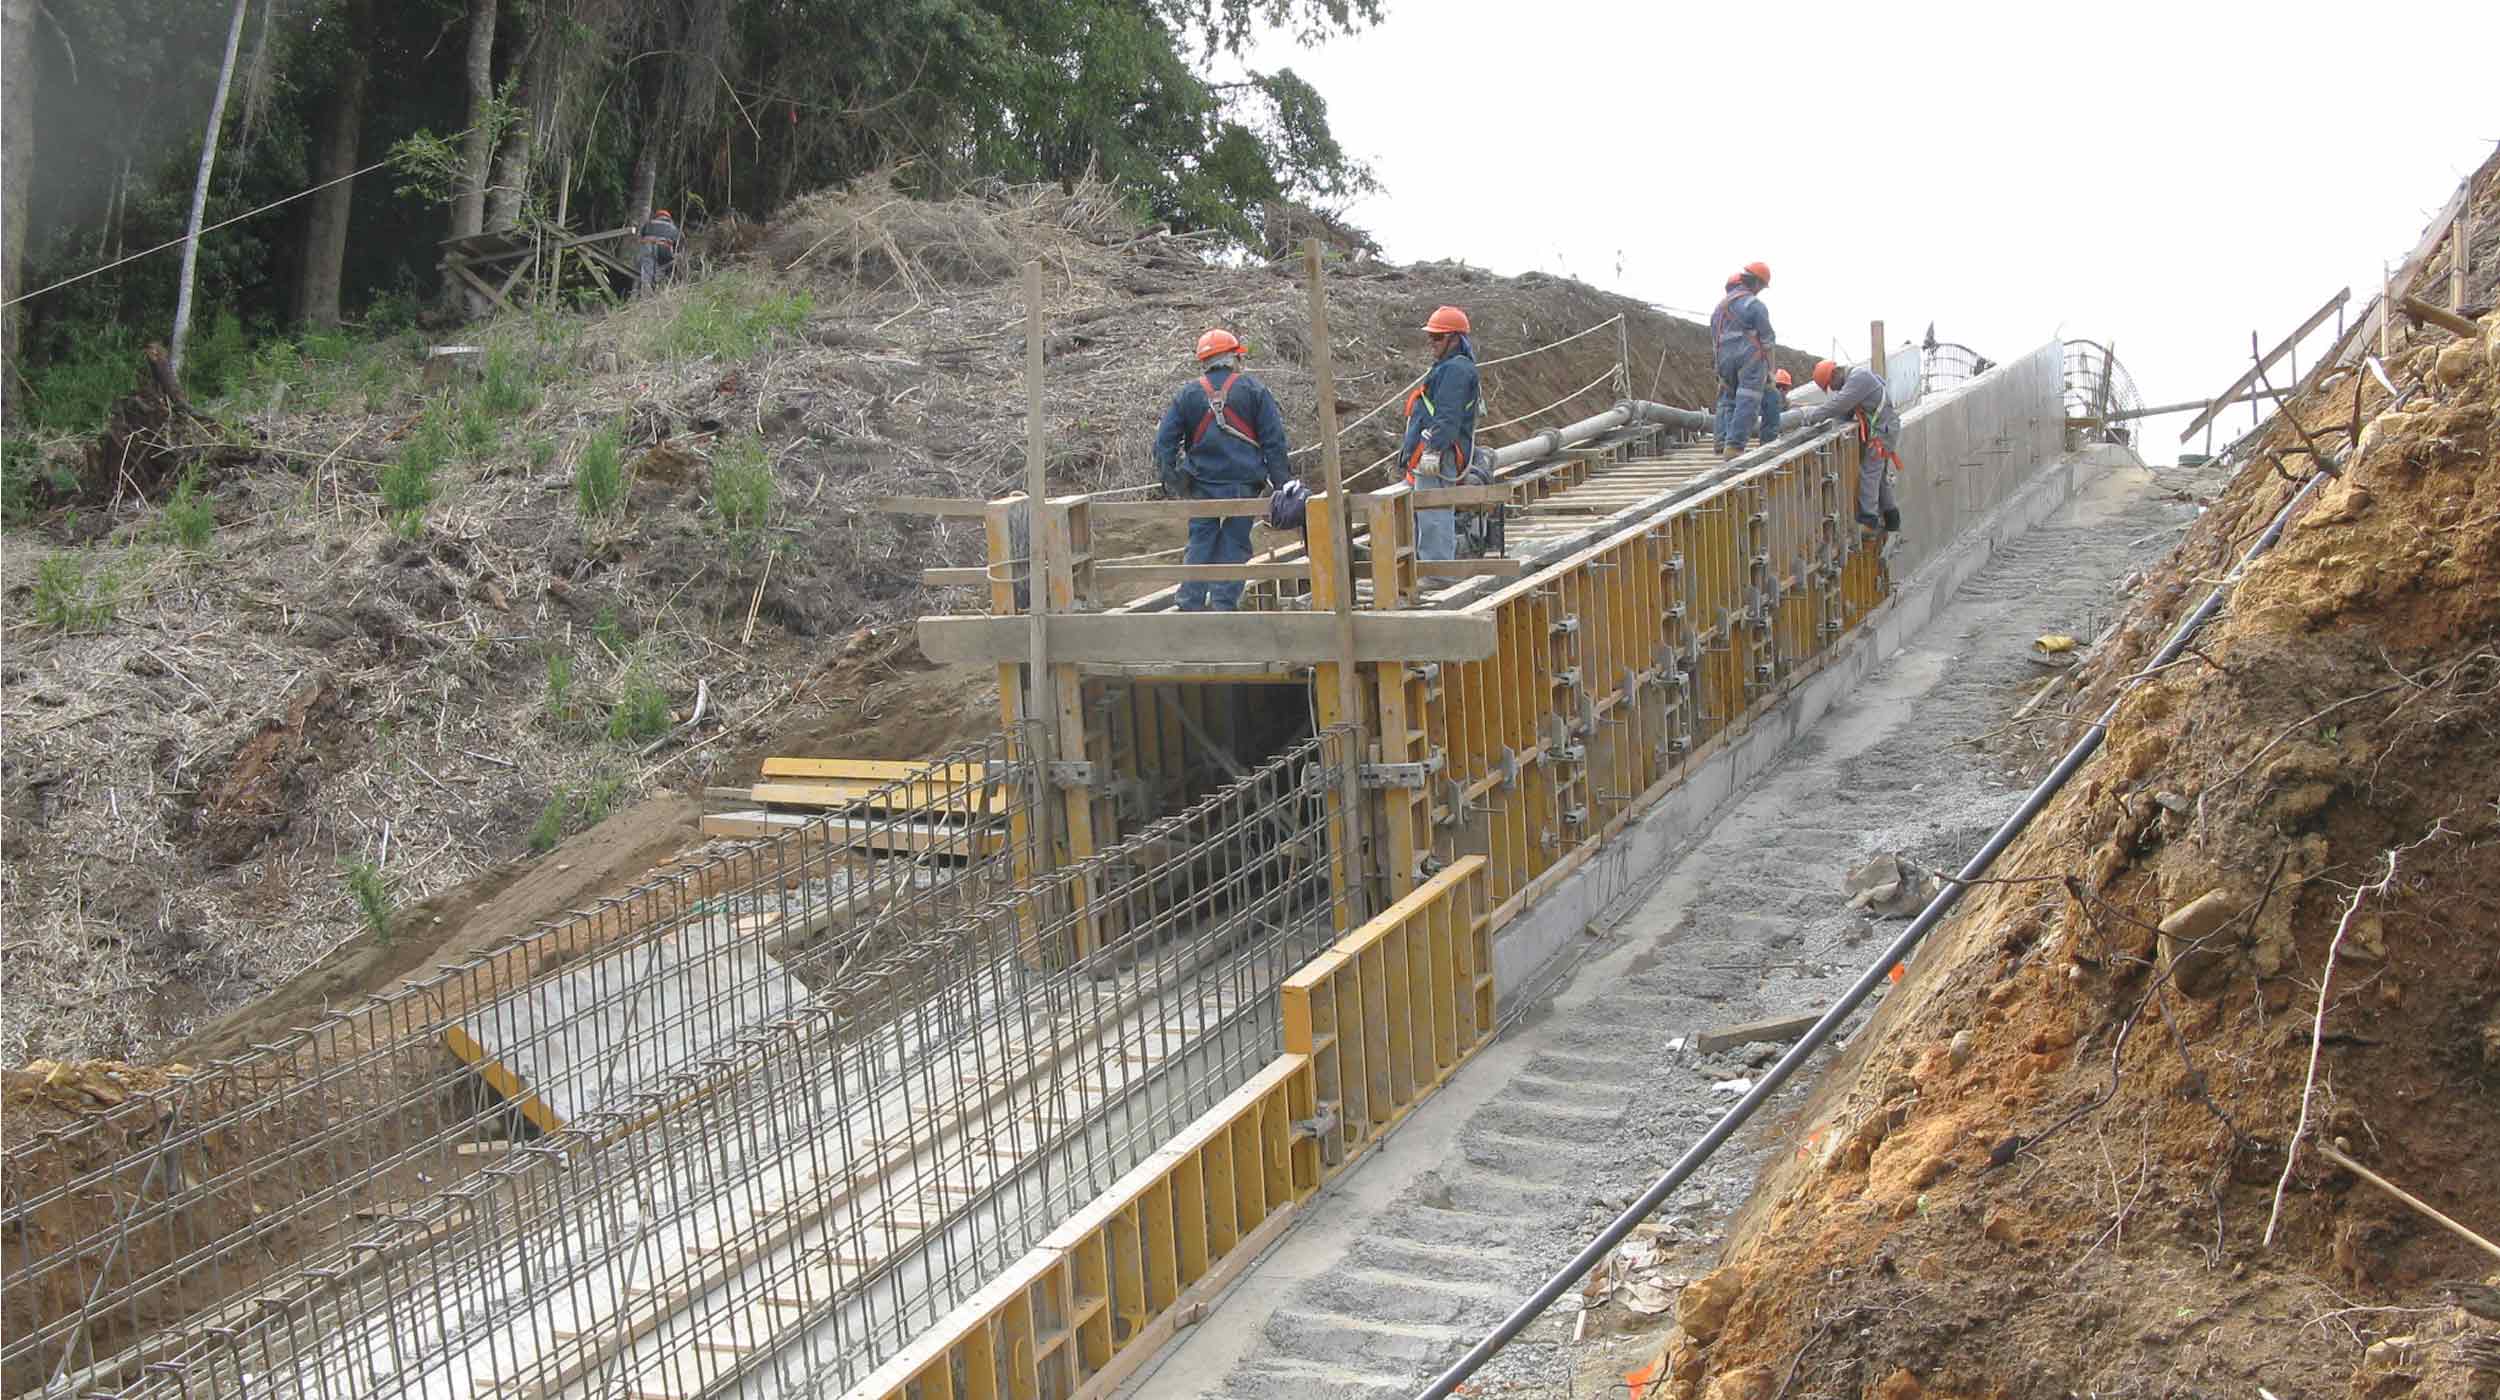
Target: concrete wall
{"x": 1983, "y": 466}
{"x": 1967, "y": 450}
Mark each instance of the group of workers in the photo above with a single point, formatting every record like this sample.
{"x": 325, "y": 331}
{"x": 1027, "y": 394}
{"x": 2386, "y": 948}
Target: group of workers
{"x": 1753, "y": 397}
{"x": 1223, "y": 437}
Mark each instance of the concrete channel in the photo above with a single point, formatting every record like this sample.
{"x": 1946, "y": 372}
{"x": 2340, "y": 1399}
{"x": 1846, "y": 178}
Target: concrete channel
{"x": 1722, "y": 905}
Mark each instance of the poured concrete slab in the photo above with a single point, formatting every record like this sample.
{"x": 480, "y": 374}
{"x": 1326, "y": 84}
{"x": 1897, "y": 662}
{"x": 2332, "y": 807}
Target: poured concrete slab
{"x": 623, "y": 1022}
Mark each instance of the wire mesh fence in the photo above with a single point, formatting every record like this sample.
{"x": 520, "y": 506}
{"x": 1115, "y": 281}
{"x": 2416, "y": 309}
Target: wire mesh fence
{"x": 252, "y": 1185}
{"x": 768, "y": 1147}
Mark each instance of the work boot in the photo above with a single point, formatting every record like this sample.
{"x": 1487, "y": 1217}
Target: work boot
{"x": 1892, "y": 520}
{"x": 1728, "y": 450}
{"x": 1870, "y": 529}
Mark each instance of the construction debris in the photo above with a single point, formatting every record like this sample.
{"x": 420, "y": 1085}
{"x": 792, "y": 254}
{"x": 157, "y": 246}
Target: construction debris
{"x": 1890, "y": 884}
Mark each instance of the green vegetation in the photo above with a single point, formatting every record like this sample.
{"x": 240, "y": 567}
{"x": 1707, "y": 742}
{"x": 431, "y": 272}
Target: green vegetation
{"x": 26, "y": 475}
{"x": 732, "y": 317}
{"x": 509, "y": 390}
{"x": 559, "y": 687}
{"x": 371, "y": 891}
{"x": 599, "y": 477}
{"x": 641, "y": 712}
{"x": 408, "y": 484}
{"x": 742, "y": 491}
{"x": 607, "y": 630}
{"x": 549, "y": 828}
{"x": 566, "y": 811}
{"x": 189, "y": 520}
{"x": 70, "y": 597}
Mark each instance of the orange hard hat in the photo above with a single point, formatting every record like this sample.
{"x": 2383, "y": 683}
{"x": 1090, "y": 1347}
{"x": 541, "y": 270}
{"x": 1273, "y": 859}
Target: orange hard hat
{"x": 1824, "y": 371}
{"x": 1217, "y": 342}
{"x": 1782, "y": 379}
{"x": 1759, "y": 271}
{"x": 1447, "y": 320}
{"x": 659, "y": 214}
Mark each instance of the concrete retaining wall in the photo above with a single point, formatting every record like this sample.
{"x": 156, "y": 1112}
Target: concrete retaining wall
{"x": 1982, "y": 467}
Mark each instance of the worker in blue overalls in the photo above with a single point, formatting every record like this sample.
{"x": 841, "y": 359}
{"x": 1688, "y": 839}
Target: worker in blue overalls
{"x": 1440, "y": 448}
{"x": 1741, "y": 339}
{"x": 1223, "y": 439}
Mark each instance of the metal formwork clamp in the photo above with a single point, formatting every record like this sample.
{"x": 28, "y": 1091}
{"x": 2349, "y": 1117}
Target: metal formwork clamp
{"x": 1568, "y": 677}
{"x": 1400, "y": 775}
{"x": 1575, "y": 816}
{"x": 1455, "y": 806}
{"x": 1071, "y": 773}
{"x": 1565, "y": 624}
{"x": 1509, "y": 766}
{"x": 1674, "y": 564}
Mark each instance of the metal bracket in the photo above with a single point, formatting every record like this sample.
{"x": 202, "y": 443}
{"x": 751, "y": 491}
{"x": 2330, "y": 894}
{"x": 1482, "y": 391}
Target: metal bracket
{"x": 1322, "y": 1124}
{"x": 1071, "y": 773}
{"x": 1400, "y": 775}
{"x": 1567, "y": 623}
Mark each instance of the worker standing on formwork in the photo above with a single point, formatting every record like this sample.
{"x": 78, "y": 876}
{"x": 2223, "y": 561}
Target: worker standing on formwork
{"x": 1441, "y": 413}
{"x": 660, "y": 243}
{"x": 1858, "y": 395}
{"x": 1740, "y": 332}
{"x": 1775, "y": 404}
{"x": 1223, "y": 439}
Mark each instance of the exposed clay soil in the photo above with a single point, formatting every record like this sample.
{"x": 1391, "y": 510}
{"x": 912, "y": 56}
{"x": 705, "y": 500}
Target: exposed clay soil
{"x": 184, "y": 780}
{"x": 2049, "y": 1166}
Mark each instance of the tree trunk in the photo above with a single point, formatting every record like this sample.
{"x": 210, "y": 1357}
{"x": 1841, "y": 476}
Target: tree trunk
{"x": 199, "y": 193}
{"x": 512, "y": 178}
{"x": 477, "y": 149}
{"x": 17, "y": 168}
{"x": 646, "y": 180}
{"x": 325, "y": 232}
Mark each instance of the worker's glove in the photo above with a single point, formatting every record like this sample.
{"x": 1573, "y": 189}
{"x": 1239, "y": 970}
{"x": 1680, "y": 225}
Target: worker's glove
{"x": 1429, "y": 465}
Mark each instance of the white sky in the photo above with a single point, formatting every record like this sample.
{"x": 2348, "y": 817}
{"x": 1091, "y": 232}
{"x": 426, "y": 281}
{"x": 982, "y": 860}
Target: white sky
{"x": 2167, "y": 176}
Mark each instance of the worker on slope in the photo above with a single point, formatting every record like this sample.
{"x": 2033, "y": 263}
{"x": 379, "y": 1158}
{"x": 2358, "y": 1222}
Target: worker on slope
{"x": 1857, "y": 394}
{"x": 1223, "y": 439}
{"x": 1740, "y": 332}
{"x": 660, "y": 244}
{"x": 1775, "y": 404}
{"x": 1441, "y": 414}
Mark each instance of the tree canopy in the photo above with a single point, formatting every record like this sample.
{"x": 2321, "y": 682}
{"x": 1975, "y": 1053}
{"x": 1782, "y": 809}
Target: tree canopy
{"x": 600, "y": 106}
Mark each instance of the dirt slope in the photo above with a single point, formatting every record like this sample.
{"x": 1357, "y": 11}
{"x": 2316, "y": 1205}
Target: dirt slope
{"x": 2050, "y": 1166}
{"x": 199, "y": 736}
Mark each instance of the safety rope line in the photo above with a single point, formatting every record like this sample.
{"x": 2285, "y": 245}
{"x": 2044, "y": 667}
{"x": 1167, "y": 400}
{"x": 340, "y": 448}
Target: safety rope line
{"x": 176, "y": 243}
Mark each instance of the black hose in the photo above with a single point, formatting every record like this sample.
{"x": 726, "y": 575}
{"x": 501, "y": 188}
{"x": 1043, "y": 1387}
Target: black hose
{"x": 1789, "y": 1063}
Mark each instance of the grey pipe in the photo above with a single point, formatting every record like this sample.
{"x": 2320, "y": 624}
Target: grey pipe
{"x": 1625, "y": 414}
{"x": 1858, "y": 992}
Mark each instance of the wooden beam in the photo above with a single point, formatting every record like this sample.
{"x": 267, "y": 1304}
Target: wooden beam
{"x": 2374, "y": 321}
{"x": 1444, "y": 497}
{"x": 2439, "y": 316}
{"x": 1337, "y": 551}
{"x": 1177, "y": 510}
{"x": 927, "y": 505}
{"x": 2157, "y": 410}
{"x": 2248, "y": 380}
{"x": 1185, "y": 639}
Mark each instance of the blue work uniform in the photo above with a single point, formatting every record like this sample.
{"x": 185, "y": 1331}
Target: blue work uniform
{"x": 1774, "y": 408}
{"x": 1441, "y": 417}
{"x": 1741, "y": 337}
{"x": 1235, "y": 455}
{"x": 1861, "y": 399}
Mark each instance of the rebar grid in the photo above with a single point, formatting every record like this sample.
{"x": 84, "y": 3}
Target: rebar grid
{"x": 2098, "y": 387}
{"x": 834, "y": 1174}
{"x": 219, "y": 1184}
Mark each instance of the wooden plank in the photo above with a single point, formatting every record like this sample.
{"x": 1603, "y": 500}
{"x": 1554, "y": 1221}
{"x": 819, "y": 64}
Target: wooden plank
{"x": 886, "y": 769}
{"x": 957, "y": 507}
{"x": 1185, "y": 639}
{"x": 2249, "y": 378}
{"x": 814, "y": 830}
{"x": 1776, "y": 1028}
{"x": 1177, "y": 511}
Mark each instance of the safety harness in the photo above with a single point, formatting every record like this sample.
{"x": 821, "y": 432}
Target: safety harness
{"x": 1458, "y": 450}
{"x": 1723, "y": 316}
{"x": 1222, "y": 414}
{"x": 1866, "y": 414}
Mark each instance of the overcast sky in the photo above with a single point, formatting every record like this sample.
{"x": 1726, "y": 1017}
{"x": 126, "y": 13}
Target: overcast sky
{"x": 2167, "y": 176}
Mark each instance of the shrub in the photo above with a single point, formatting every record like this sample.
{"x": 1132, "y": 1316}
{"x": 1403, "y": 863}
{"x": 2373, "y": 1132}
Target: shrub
{"x": 597, "y": 803}
{"x": 408, "y": 483}
{"x": 371, "y": 890}
{"x": 189, "y": 519}
{"x": 559, "y": 686}
{"x": 75, "y": 392}
{"x": 550, "y": 827}
{"x": 599, "y": 477}
{"x": 478, "y": 434}
{"x": 67, "y": 598}
{"x": 508, "y": 390}
{"x": 28, "y": 479}
{"x": 742, "y": 489}
{"x": 641, "y": 711}
{"x": 542, "y": 450}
